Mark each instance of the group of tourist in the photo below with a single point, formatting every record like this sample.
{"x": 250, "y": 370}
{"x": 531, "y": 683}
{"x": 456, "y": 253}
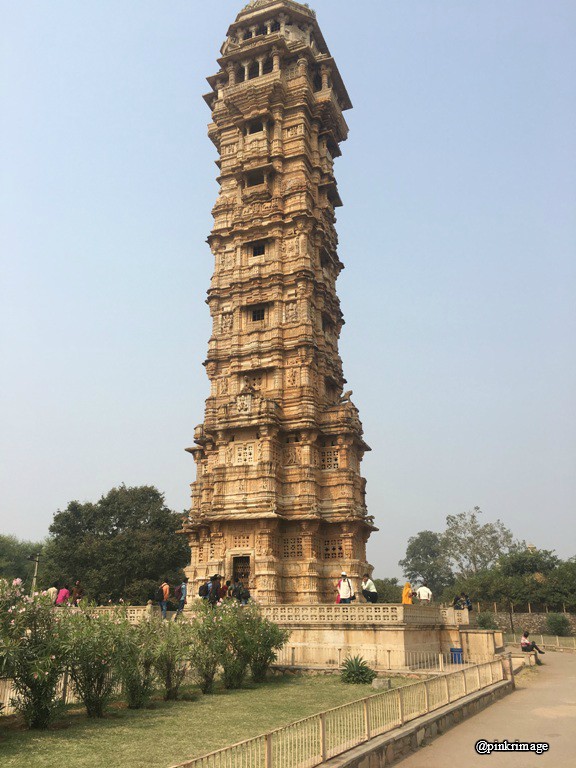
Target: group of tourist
{"x": 214, "y": 591}
{"x": 462, "y": 601}
{"x": 61, "y": 595}
{"x": 423, "y": 594}
{"x": 345, "y": 591}
{"x": 180, "y": 595}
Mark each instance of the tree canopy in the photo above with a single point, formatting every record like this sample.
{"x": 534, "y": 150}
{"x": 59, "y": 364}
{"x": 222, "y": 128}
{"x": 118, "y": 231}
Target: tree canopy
{"x": 14, "y": 554}
{"x": 471, "y": 547}
{"x": 427, "y": 561}
{"x": 486, "y": 562}
{"x": 121, "y": 546}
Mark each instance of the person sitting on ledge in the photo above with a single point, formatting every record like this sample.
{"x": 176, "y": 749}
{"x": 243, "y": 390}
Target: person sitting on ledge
{"x": 529, "y": 645}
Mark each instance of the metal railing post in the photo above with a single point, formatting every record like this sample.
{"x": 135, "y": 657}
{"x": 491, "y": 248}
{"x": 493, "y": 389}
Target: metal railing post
{"x": 268, "y": 750}
{"x": 441, "y": 661}
{"x": 367, "y": 729}
{"x": 447, "y": 689}
{"x": 323, "y": 737}
{"x": 426, "y": 696}
{"x": 65, "y": 686}
{"x": 401, "y": 705}
{"x": 511, "y": 668}
{"x": 465, "y": 683}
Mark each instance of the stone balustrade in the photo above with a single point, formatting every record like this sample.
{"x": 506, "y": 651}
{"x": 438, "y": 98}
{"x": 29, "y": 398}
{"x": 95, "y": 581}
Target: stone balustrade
{"x": 387, "y": 614}
{"x": 365, "y": 613}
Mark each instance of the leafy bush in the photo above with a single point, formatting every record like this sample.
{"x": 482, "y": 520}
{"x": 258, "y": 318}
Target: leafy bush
{"x": 558, "y": 624}
{"x": 486, "y": 620}
{"x": 93, "y": 647}
{"x": 204, "y": 650}
{"x": 170, "y": 653}
{"x": 234, "y": 642}
{"x": 136, "y": 662}
{"x": 266, "y": 638}
{"x": 33, "y": 654}
{"x": 356, "y": 670}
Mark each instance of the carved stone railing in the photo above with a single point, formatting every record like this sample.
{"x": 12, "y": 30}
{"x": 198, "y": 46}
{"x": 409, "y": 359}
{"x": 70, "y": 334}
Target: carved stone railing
{"x": 364, "y": 613}
{"x": 386, "y": 614}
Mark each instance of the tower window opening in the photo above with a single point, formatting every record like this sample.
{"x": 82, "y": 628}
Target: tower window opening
{"x": 256, "y": 126}
{"x": 258, "y": 248}
{"x": 253, "y": 70}
{"x": 317, "y": 82}
{"x": 254, "y": 178}
{"x": 268, "y": 66}
{"x": 247, "y": 35}
{"x": 327, "y": 324}
{"x": 261, "y": 30}
{"x": 258, "y": 313}
{"x": 275, "y": 26}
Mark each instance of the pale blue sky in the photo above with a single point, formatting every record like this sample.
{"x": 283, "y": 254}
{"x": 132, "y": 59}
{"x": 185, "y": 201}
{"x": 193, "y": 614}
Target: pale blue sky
{"x": 458, "y": 235}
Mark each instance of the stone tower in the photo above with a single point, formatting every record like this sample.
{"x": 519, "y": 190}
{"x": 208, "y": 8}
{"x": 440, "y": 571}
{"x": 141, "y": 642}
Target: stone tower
{"x": 278, "y": 499}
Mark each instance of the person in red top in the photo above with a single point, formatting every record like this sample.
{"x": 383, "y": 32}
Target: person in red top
{"x": 63, "y": 596}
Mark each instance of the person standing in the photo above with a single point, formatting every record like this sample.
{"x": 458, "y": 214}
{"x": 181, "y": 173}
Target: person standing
{"x": 77, "y": 593}
{"x": 63, "y": 596}
{"x": 369, "y": 591}
{"x": 163, "y": 595}
{"x": 407, "y": 594}
{"x": 345, "y": 590}
{"x": 180, "y": 594}
{"x": 214, "y": 594}
{"x": 52, "y": 593}
{"x": 424, "y": 593}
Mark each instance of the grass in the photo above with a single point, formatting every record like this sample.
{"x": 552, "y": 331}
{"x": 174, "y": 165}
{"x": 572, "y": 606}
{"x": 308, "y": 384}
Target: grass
{"x": 172, "y": 732}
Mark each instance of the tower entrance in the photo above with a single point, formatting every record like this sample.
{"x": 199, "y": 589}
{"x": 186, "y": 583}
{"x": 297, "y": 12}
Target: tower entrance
{"x": 241, "y": 569}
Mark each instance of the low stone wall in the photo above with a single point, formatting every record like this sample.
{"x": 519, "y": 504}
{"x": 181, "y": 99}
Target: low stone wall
{"x": 533, "y": 622}
{"x": 384, "y": 750}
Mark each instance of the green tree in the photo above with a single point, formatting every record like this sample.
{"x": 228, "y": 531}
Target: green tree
{"x": 389, "y": 590}
{"x": 426, "y": 560}
{"x": 122, "y": 546}
{"x": 14, "y": 554}
{"x": 522, "y": 562}
{"x": 470, "y": 546}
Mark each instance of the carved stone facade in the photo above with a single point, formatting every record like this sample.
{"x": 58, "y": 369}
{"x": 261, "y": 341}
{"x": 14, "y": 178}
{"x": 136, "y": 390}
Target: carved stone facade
{"x": 278, "y": 499}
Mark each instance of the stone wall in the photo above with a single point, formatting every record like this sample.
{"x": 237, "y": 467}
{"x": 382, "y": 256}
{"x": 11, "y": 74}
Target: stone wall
{"x": 533, "y": 622}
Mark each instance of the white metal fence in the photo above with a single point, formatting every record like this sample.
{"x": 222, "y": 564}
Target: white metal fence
{"x": 309, "y": 742}
{"x": 548, "y": 641}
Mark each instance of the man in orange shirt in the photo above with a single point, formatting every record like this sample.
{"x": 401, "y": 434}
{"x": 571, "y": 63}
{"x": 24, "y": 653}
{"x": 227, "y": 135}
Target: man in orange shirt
{"x": 163, "y": 594}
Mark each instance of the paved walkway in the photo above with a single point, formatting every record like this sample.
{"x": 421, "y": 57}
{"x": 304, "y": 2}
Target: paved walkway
{"x": 543, "y": 708}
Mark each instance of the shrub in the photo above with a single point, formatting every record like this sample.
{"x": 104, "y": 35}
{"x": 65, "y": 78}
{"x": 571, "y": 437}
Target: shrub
{"x": 136, "y": 662}
{"x": 204, "y": 650}
{"x": 33, "y": 656}
{"x": 266, "y": 638}
{"x": 558, "y": 624}
{"x": 233, "y": 642}
{"x": 356, "y": 670}
{"x": 486, "y": 620}
{"x": 170, "y": 653}
{"x": 93, "y": 647}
